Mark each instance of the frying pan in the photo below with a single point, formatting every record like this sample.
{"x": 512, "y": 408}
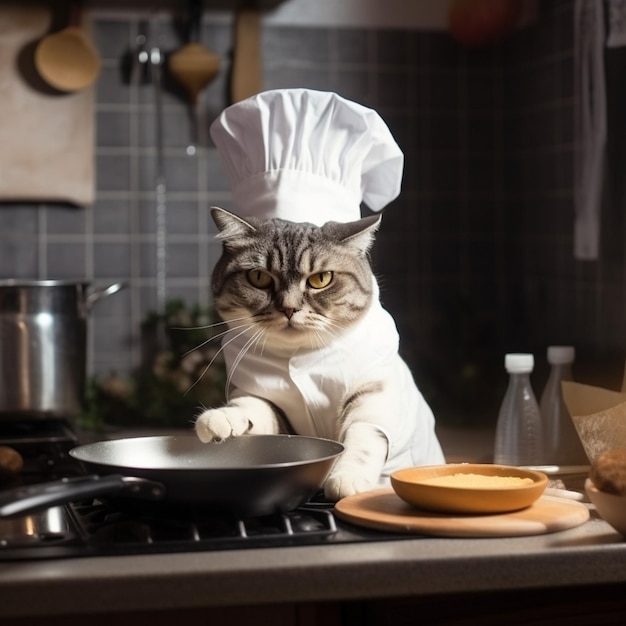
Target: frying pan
{"x": 245, "y": 476}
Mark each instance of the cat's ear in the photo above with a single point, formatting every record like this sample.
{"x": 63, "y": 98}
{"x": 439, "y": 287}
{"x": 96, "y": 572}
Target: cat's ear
{"x": 359, "y": 234}
{"x": 232, "y": 227}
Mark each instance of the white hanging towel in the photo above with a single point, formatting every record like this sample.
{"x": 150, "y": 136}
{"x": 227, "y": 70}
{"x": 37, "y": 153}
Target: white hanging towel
{"x": 590, "y": 129}
{"x": 617, "y": 24}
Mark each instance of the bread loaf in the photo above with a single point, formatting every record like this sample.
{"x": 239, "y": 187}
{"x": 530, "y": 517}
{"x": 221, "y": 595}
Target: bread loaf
{"x": 608, "y": 471}
{"x": 11, "y": 462}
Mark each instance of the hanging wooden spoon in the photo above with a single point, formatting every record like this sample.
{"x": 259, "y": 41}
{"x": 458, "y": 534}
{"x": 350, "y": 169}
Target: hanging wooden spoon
{"x": 246, "y": 79}
{"x": 194, "y": 66}
{"x": 67, "y": 60}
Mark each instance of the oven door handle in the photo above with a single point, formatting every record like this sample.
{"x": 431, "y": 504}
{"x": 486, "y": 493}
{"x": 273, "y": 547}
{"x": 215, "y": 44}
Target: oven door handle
{"x": 32, "y": 498}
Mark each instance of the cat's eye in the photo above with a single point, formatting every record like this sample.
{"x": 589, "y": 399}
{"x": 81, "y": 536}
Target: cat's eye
{"x": 319, "y": 280}
{"x": 259, "y": 279}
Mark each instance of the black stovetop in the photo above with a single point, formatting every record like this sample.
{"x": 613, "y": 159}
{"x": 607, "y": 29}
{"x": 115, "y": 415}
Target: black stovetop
{"x": 96, "y": 528}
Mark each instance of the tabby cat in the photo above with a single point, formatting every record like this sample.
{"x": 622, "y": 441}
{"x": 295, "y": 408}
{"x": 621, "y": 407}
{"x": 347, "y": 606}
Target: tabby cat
{"x": 310, "y": 350}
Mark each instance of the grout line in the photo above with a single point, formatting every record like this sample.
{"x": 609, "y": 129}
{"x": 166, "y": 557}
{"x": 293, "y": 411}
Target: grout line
{"x": 463, "y": 187}
{"x": 204, "y": 295}
{"x": 42, "y": 246}
{"x": 135, "y": 218}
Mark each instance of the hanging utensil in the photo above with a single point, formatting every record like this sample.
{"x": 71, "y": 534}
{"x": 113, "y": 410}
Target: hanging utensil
{"x": 246, "y": 79}
{"x": 156, "y": 72}
{"x": 161, "y": 188}
{"x": 194, "y": 66}
{"x": 67, "y": 60}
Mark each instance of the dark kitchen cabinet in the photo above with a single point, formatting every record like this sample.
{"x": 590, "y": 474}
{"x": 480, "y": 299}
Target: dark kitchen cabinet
{"x": 568, "y": 606}
{"x": 302, "y": 614}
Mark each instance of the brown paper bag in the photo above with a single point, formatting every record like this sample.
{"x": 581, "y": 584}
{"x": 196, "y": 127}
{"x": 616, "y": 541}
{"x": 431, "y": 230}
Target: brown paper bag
{"x": 599, "y": 416}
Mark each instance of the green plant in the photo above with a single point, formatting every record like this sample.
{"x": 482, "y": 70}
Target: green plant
{"x": 182, "y": 370}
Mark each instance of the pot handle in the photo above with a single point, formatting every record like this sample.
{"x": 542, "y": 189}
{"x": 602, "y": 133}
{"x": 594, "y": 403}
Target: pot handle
{"x": 98, "y": 294}
{"x": 32, "y": 498}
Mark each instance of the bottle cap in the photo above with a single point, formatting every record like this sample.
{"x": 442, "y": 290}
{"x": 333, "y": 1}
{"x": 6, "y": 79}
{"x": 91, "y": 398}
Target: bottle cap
{"x": 561, "y": 355}
{"x": 519, "y": 363}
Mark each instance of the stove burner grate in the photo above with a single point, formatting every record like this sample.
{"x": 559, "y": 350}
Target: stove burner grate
{"x": 112, "y": 531}
{"x": 93, "y": 528}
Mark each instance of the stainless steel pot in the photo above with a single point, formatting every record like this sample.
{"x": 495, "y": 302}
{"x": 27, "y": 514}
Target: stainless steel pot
{"x": 43, "y": 346}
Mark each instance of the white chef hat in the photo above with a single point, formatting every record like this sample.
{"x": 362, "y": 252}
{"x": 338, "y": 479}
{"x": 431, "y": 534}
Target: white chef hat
{"x": 307, "y": 156}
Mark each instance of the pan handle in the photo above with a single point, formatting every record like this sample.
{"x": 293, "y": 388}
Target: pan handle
{"x": 32, "y": 498}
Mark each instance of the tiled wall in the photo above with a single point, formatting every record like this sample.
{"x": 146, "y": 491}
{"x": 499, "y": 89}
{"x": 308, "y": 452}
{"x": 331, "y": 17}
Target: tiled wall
{"x": 474, "y": 258}
{"x": 557, "y": 299}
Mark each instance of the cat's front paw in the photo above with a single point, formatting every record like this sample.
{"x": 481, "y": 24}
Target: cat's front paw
{"x": 345, "y": 484}
{"x": 220, "y": 424}
{"x": 245, "y": 415}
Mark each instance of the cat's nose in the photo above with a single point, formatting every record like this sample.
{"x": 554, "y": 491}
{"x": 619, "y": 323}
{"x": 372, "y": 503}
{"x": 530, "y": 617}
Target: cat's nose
{"x": 289, "y": 312}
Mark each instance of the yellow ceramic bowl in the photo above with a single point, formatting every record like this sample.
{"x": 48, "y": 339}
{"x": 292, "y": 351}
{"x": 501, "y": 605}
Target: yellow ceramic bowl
{"x": 475, "y": 488}
{"x": 610, "y": 507}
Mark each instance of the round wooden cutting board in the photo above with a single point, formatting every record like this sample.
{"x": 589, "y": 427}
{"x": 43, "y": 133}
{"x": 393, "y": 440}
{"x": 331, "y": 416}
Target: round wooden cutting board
{"x": 382, "y": 509}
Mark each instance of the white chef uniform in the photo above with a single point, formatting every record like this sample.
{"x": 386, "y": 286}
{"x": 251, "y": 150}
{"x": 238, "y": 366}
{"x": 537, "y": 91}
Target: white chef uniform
{"x": 311, "y": 156}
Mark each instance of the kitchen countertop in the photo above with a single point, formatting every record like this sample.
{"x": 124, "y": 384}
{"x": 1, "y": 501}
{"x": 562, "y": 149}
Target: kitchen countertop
{"x": 592, "y": 553}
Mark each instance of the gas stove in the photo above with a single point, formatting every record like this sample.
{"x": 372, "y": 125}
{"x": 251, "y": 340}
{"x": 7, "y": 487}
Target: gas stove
{"x": 98, "y": 528}
{"x": 43, "y": 445}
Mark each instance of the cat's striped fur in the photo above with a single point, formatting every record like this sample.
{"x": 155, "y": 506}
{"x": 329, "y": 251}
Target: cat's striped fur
{"x": 311, "y": 351}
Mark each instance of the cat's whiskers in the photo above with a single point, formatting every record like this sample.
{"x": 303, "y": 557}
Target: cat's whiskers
{"x": 315, "y": 338}
{"x": 330, "y": 330}
{"x": 206, "y": 369}
{"x": 225, "y": 332}
{"x": 253, "y": 340}
{"x": 337, "y": 323}
{"x": 265, "y": 337}
{"x": 214, "y": 325}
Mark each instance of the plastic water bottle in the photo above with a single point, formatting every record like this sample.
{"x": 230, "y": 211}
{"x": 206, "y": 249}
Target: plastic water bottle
{"x": 562, "y": 445}
{"x": 518, "y": 431}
